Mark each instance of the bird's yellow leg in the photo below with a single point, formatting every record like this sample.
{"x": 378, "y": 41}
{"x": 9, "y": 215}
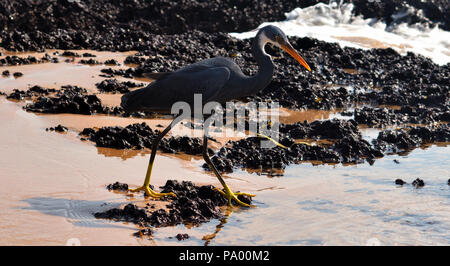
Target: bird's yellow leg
{"x": 279, "y": 144}
{"x": 227, "y": 193}
{"x": 230, "y": 195}
{"x": 271, "y": 139}
{"x": 146, "y": 187}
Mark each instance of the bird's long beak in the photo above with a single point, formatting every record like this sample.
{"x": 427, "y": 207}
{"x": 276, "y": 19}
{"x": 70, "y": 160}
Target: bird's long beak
{"x": 291, "y": 51}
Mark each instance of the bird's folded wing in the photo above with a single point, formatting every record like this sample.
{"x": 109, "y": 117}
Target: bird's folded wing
{"x": 157, "y": 75}
{"x": 207, "y": 81}
{"x": 179, "y": 86}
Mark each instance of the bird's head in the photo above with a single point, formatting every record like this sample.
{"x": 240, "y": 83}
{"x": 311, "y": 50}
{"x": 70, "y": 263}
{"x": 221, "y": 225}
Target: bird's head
{"x": 276, "y": 36}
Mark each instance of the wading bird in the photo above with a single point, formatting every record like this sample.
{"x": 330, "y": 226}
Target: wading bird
{"x": 216, "y": 79}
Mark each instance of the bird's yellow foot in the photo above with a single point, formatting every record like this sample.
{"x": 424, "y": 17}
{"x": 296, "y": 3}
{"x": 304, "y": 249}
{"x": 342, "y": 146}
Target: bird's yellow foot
{"x": 149, "y": 192}
{"x": 229, "y": 195}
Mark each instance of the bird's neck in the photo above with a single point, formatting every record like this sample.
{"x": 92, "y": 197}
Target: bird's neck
{"x": 266, "y": 68}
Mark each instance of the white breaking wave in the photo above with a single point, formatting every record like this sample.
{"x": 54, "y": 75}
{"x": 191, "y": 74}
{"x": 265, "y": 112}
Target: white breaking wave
{"x": 335, "y": 23}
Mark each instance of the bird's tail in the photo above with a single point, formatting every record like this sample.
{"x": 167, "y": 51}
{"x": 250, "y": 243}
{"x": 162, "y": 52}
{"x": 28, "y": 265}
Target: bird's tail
{"x": 131, "y": 101}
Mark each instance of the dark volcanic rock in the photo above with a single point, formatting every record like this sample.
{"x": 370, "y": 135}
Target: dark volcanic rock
{"x": 87, "y": 132}
{"x": 408, "y": 138}
{"x": 409, "y": 80}
{"x": 111, "y": 62}
{"x": 381, "y": 117}
{"x": 16, "y": 60}
{"x": 413, "y": 82}
{"x": 140, "y": 136}
{"x": 61, "y": 128}
{"x": 418, "y": 183}
{"x": 247, "y": 153}
{"x": 71, "y": 99}
{"x": 17, "y": 95}
{"x": 181, "y": 237}
{"x": 144, "y": 232}
{"x": 421, "y": 114}
{"x": 130, "y": 213}
{"x": 126, "y": 25}
{"x": 137, "y": 136}
{"x": 132, "y": 59}
{"x": 31, "y": 92}
{"x": 173, "y": 34}
{"x": 400, "y": 139}
{"x": 354, "y": 150}
{"x": 89, "y": 62}
{"x": 89, "y": 55}
{"x": 399, "y": 182}
{"x": 127, "y": 73}
{"x": 193, "y": 205}
{"x": 413, "y": 11}
{"x": 349, "y": 147}
{"x": 70, "y": 54}
{"x": 92, "y": 61}
{"x": 328, "y": 129}
{"x": 376, "y": 117}
{"x": 114, "y": 86}
{"x": 117, "y": 186}
{"x": 58, "y": 128}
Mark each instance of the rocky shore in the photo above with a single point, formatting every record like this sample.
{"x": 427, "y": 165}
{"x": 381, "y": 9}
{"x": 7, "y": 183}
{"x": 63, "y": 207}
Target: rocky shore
{"x": 406, "y": 97}
{"x": 126, "y": 25}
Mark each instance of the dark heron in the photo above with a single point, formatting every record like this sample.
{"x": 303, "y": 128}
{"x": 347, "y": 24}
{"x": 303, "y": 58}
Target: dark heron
{"x": 216, "y": 79}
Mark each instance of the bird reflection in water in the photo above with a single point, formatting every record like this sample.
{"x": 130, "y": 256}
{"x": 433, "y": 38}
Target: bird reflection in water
{"x": 223, "y": 221}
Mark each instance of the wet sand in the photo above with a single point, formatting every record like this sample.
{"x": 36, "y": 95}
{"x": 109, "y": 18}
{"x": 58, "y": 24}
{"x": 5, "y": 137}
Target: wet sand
{"x": 55, "y": 75}
{"x": 53, "y": 183}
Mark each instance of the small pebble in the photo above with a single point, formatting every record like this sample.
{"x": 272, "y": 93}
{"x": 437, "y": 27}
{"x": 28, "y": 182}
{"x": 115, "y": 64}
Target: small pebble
{"x": 418, "y": 183}
{"x": 89, "y": 55}
{"x": 58, "y": 128}
{"x": 144, "y": 232}
{"x": 17, "y": 74}
{"x": 399, "y": 182}
{"x": 117, "y": 186}
{"x": 181, "y": 237}
{"x": 61, "y": 128}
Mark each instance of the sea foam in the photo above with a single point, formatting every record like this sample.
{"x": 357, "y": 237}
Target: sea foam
{"x": 335, "y": 23}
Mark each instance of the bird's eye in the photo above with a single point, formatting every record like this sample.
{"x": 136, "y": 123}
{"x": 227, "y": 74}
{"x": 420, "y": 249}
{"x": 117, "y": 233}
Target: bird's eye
{"x": 278, "y": 38}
